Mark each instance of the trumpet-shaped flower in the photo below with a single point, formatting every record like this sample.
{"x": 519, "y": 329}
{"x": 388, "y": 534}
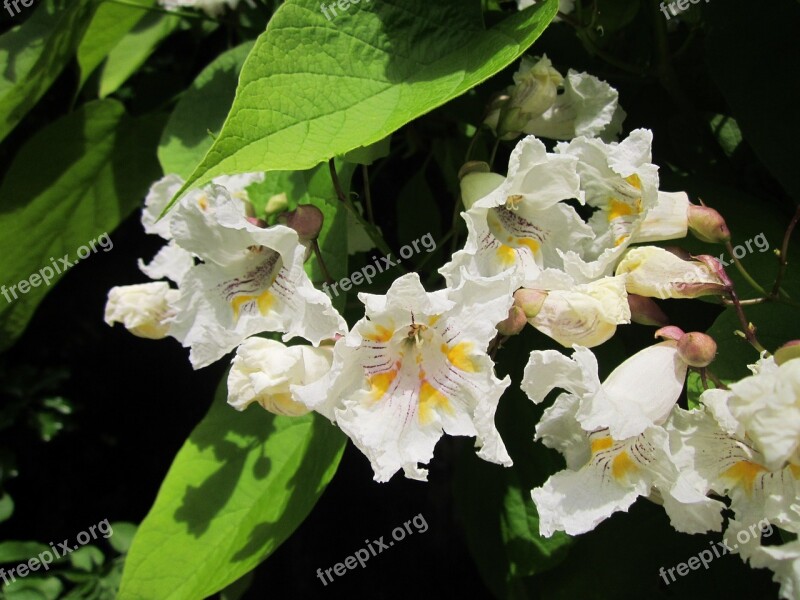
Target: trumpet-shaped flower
{"x": 252, "y": 281}
{"x": 587, "y": 107}
{"x": 263, "y": 371}
{"x": 533, "y": 105}
{"x": 416, "y": 367}
{"x": 172, "y": 261}
{"x": 605, "y": 475}
{"x": 521, "y": 224}
{"x": 621, "y": 184}
{"x": 729, "y": 464}
{"x": 639, "y": 393}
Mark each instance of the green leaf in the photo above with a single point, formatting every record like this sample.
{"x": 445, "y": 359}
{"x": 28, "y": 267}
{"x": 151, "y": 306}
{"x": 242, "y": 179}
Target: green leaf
{"x": 71, "y": 182}
{"x": 727, "y": 133}
{"x": 201, "y": 109}
{"x": 134, "y": 49}
{"x": 366, "y": 155}
{"x": 6, "y": 507}
{"x": 33, "y": 54}
{"x": 241, "y": 484}
{"x": 110, "y": 24}
{"x": 34, "y": 588}
{"x": 11, "y": 552}
{"x": 313, "y": 88}
{"x": 769, "y": 122}
{"x": 86, "y": 558}
{"x": 122, "y": 537}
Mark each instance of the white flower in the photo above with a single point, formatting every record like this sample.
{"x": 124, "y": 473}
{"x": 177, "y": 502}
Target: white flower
{"x": 263, "y": 371}
{"x": 144, "y": 309}
{"x": 580, "y": 314}
{"x": 414, "y": 367}
{"x": 587, "y": 107}
{"x": 767, "y": 405}
{"x": 533, "y": 105}
{"x": 521, "y": 224}
{"x": 605, "y": 475}
{"x": 172, "y": 261}
{"x": 639, "y": 393}
{"x": 619, "y": 181}
{"x": 729, "y": 465}
{"x": 783, "y": 561}
{"x": 252, "y": 281}
{"x": 657, "y": 273}
{"x": 213, "y": 8}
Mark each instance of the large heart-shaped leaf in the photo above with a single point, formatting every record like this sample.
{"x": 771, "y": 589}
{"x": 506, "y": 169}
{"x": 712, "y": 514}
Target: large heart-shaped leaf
{"x": 74, "y": 180}
{"x": 33, "y": 54}
{"x": 241, "y": 484}
{"x": 314, "y": 87}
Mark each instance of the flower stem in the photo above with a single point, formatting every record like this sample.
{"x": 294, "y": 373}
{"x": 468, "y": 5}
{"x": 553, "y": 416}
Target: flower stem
{"x": 371, "y": 230}
{"x": 784, "y": 256}
{"x": 323, "y": 267}
{"x": 368, "y": 194}
{"x": 740, "y": 267}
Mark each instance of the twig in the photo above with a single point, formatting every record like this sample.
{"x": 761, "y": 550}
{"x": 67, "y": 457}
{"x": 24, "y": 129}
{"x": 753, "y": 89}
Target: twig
{"x": 740, "y": 267}
{"x": 784, "y": 257}
{"x": 368, "y": 194}
{"x": 318, "y": 253}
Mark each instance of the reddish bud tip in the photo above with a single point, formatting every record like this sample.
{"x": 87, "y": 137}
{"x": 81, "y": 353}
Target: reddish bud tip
{"x": 306, "y": 220}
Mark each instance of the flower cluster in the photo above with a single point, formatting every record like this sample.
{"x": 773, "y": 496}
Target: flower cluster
{"x": 560, "y": 242}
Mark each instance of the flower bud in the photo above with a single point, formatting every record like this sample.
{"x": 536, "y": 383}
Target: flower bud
{"x": 787, "y": 352}
{"x": 306, "y": 220}
{"x": 646, "y": 312}
{"x": 658, "y": 273}
{"x": 515, "y": 322}
{"x": 143, "y": 309}
{"x": 708, "y": 225}
{"x": 277, "y": 203}
{"x": 697, "y": 349}
{"x": 477, "y": 183}
{"x": 530, "y": 301}
{"x": 263, "y": 371}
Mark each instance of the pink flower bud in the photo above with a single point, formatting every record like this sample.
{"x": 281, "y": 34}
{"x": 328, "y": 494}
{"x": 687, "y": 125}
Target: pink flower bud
{"x": 787, "y": 352}
{"x": 708, "y": 225}
{"x": 306, "y": 220}
{"x": 697, "y": 349}
{"x": 646, "y": 312}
